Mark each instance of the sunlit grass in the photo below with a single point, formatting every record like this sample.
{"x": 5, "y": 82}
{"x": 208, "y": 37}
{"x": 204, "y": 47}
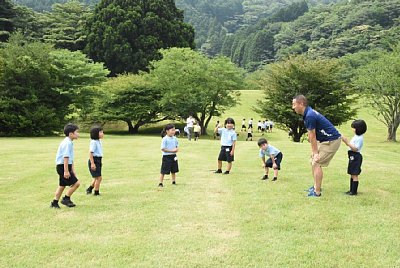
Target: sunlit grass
{"x": 207, "y": 220}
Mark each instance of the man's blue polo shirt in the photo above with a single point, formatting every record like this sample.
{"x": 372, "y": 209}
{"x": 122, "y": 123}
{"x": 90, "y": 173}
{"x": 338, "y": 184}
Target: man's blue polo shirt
{"x": 324, "y": 129}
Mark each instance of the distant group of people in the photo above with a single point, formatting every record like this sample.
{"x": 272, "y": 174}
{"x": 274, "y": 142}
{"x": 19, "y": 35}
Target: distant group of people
{"x": 323, "y": 136}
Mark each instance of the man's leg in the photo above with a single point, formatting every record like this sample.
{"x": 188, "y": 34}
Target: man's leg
{"x": 318, "y": 175}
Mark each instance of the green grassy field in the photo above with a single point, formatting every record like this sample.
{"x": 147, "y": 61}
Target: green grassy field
{"x": 206, "y": 220}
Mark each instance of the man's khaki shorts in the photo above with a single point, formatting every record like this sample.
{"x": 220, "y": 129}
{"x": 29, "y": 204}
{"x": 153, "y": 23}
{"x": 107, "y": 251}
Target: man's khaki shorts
{"x": 327, "y": 151}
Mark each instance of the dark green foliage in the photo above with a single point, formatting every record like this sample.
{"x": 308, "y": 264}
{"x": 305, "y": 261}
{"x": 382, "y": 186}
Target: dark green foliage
{"x": 318, "y": 80}
{"x": 336, "y": 30}
{"x": 7, "y": 13}
{"x": 126, "y": 34}
{"x": 38, "y": 84}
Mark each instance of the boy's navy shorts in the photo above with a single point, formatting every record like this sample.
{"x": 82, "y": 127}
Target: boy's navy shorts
{"x": 97, "y": 162}
{"x": 225, "y": 154}
{"x": 63, "y": 181}
{"x": 169, "y": 164}
{"x": 278, "y": 160}
{"x": 355, "y": 162}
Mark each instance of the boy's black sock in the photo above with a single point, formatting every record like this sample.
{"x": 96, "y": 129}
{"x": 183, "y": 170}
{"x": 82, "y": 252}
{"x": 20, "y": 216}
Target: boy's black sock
{"x": 96, "y": 192}
{"x": 355, "y": 188}
{"x": 351, "y": 184}
{"x": 67, "y": 197}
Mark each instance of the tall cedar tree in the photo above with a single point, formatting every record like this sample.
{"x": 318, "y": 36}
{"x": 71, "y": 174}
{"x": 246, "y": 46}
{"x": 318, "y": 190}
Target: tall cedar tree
{"x": 127, "y": 34}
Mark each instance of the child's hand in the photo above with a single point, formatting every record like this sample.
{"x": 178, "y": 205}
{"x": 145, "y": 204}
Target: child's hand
{"x": 232, "y": 153}
{"x": 175, "y": 150}
{"x": 93, "y": 167}
{"x": 345, "y": 140}
{"x": 66, "y": 174}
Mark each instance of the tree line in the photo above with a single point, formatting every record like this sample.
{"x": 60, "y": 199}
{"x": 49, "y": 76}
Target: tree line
{"x": 120, "y": 62}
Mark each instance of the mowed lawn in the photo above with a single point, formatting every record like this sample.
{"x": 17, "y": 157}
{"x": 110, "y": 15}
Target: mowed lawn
{"x": 206, "y": 220}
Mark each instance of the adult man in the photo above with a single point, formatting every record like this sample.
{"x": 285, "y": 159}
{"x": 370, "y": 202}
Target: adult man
{"x": 324, "y": 139}
{"x": 189, "y": 124}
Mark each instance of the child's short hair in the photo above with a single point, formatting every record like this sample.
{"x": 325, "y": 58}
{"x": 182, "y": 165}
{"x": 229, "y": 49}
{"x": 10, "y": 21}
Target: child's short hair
{"x": 167, "y": 127}
{"x": 262, "y": 141}
{"x": 94, "y": 132}
{"x": 70, "y": 128}
{"x": 360, "y": 126}
{"x": 229, "y": 121}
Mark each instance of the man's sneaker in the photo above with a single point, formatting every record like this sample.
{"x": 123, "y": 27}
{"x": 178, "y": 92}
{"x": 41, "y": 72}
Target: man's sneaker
{"x": 54, "y": 205}
{"x": 311, "y": 189}
{"x": 264, "y": 178}
{"x": 174, "y": 182}
{"x": 218, "y": 171}
{"x": 160, "y": 185}
{"x": 67, "y": 202}
{"x": 313, "y": 194}
{"x": 226, "y": 172}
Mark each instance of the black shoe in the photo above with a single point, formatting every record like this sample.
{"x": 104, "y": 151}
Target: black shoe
{"x": 54, "y": 205}
{"x": 174, "y": 182}
{"x": 67, "y": 202}
{"x": 218, "y": 171}
{"x": 226, "y": 172}
{"x": 348, "y": 192}
{"x": 160, "y": 185}
{"x": 351, "y": 193}
{"x": 97, "y": 193}
{"x": 264, "y": 178}
{"x": 274, "y": 179}
{"x": 89, "y": 190}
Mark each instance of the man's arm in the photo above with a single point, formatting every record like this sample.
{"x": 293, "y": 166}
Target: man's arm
{"x": 312, "y": 137}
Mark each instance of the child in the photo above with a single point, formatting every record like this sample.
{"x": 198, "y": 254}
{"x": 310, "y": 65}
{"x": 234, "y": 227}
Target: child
{"x": 259, "y": 125}
{"x": 169, "y": 148}
{"x": 197, "y": 130}
{"x": 274, "y": 158}
{"x": 216, "y": 134}
{"x": 228, "y": 143}
{"x": 354, "y": 154}
{"x": 243, "y": 125}
{"x": 95, "y": 157}
{"x": 249, "y": 134}
{"x": 65, "y": 167}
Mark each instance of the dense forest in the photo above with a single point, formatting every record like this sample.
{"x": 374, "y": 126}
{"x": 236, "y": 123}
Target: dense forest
{"x": 255, "y": 32}
{"x": 50, "y": 42}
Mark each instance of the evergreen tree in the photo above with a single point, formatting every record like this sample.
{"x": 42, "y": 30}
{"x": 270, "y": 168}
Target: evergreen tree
{"x": 7, "y": 13}
{"x": 127, "y": 34}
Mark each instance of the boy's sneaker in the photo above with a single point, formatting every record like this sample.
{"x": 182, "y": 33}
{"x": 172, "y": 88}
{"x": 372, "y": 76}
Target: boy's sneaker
{"x": 89, "y": 190}
{"x": 265, "y": 177}
{"x": 67, "y": 202}
{"x": 226, "y": 172}
{"x": 218, "y": 171}
{"x": 160, "y": 185}
{"x": 313, "y": 194}
{"x": 54, "y": 205}
{"x": 174, "y": 182}
{"x": 274, "y": 179}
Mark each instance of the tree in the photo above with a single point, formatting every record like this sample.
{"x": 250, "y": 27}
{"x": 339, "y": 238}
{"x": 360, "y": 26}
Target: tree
{"x": 133, "y": 99}
{"x": 39, "y": 85}
{"x": 195, "y": 85}
{"x": 318, "y": 80}
{"x": 7, "y": 13}
{"x": 65, "y": 27}
{"x": 380, "y": 82}
{"x": 126, "y": 34}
